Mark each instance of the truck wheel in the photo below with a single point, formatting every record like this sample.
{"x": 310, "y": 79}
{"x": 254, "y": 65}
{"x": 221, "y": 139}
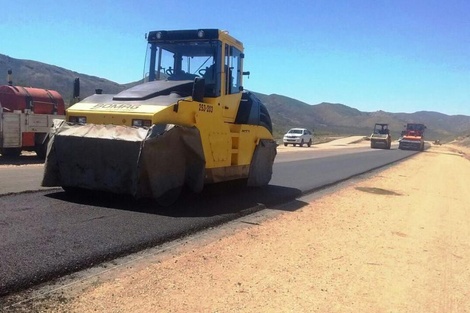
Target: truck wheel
{"x": 41, "y": 150}
{"x": 309, "y": 144}
{"x": 11, "y": 152}
{"x": 285, "y": 144}
{"x": 302, "y": 143}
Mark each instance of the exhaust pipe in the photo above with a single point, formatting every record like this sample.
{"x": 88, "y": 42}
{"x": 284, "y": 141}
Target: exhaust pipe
{"x": 10, "y": 82}
{"x": 76, "y": 89}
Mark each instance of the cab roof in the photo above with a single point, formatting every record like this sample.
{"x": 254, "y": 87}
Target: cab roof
{"x": 203, "y": 34}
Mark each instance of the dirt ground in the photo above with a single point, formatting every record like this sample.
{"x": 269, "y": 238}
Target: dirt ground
{"x": 394, "y": 241}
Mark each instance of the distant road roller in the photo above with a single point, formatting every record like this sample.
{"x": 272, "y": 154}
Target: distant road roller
{"x": 188, "y": 124}
{"x": 381, "y": 137}
{"x": 412, "y": 137}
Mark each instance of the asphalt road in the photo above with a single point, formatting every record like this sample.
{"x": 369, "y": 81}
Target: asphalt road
{"x": 47, "y": 234}
{"x": 310, "y": 170}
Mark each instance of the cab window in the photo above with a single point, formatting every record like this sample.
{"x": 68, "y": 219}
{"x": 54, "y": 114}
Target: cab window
{"x": 187, "y": 61}
{"x": 233, "y": 59}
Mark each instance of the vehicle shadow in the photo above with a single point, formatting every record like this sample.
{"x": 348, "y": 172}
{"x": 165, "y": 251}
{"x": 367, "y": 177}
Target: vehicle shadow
{"x": 215, "y": 200}
{"x": 217, "y": 204}
{"x": 24, "y": 159}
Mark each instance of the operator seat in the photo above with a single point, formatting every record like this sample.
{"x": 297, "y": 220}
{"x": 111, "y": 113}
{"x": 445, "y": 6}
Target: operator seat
{"x": 210, "y": 81}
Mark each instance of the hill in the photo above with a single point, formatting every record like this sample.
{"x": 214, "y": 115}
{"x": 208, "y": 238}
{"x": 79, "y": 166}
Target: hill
{"x": 36, "y": 74}
{"x": 335, "y": 118}
{"x": 325, "y": 118}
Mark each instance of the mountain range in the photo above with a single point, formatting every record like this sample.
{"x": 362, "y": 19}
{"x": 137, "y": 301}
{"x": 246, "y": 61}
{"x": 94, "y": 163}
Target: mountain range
{"x": 324, "y": 118}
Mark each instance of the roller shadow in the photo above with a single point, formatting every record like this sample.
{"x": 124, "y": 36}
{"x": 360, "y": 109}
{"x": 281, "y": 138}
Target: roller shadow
{"x": 215, "y": 200}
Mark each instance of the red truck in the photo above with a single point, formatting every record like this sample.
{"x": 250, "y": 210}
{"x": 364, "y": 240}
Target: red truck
{"x": 26, "y": 116}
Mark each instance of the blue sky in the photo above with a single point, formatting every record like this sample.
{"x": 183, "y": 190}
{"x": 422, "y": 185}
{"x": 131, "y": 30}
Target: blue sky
{"x": 396, "y": 56}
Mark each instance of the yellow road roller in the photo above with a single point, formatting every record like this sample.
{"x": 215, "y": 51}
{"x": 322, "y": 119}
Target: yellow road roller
{"x": 189, "y": 123}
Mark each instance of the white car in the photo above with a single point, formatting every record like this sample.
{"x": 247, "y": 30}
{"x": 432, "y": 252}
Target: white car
{"x": 298, "y": 136}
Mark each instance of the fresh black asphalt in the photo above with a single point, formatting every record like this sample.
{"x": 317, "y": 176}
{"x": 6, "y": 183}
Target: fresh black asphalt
{"x": 48, "y": 234}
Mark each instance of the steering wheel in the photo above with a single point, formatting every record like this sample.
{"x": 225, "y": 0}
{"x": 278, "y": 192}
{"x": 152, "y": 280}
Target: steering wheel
{"x": 202, "y": 71}
{"x": 169, "y": 71}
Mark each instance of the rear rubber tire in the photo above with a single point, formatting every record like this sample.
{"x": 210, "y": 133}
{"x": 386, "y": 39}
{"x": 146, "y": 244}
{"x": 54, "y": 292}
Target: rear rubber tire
{"x": 41, "y": 150}
{"x": 309, "y": 144}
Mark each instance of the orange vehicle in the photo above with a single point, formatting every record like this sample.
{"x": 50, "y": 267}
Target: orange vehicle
{"x": 26, "y": 116}
{"x": 412, "y": 137}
